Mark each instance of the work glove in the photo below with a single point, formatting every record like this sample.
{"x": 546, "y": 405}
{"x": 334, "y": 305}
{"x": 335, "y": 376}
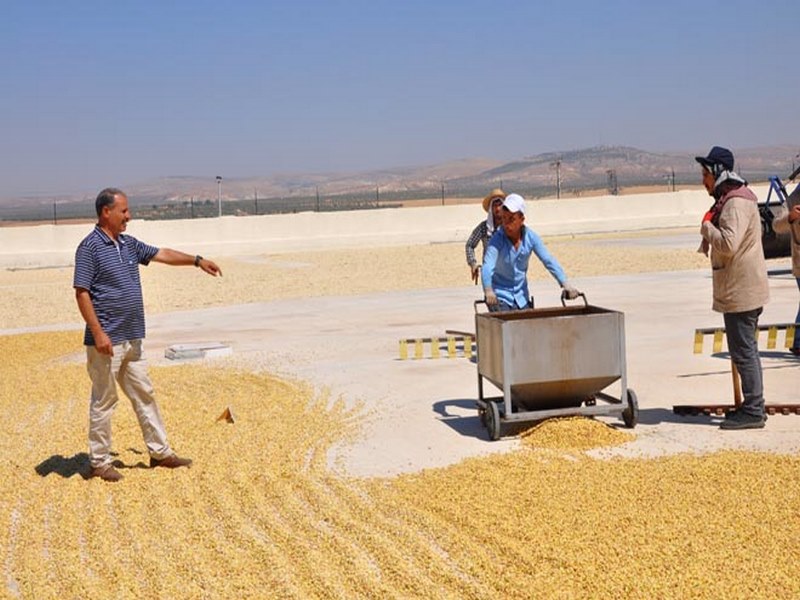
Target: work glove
{"x": 570, "y": 292}
{"x": 476, "y": 271}
{"x": 490, "y": 296}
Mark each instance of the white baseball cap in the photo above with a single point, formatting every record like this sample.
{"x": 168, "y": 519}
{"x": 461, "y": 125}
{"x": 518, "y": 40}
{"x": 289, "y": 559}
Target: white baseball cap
{"x": 515, "y": 203}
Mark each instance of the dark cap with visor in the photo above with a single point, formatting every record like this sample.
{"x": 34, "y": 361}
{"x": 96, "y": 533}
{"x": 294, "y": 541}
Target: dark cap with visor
{"x": 719, "y": 159}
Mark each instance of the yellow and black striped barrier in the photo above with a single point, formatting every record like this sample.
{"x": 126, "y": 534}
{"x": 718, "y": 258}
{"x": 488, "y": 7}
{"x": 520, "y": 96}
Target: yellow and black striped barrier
{"x": 453, "y": 346}
{"x": 718, "y": 334}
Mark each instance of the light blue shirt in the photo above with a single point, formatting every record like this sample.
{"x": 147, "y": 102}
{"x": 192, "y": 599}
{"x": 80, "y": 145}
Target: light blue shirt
{"x": 505, "y": 268}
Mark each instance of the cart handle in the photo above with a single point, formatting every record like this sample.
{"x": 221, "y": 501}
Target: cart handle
{"x": 580, "y": 295}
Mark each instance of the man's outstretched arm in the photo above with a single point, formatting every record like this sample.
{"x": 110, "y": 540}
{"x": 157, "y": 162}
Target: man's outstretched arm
{"x": 176, "y": 258}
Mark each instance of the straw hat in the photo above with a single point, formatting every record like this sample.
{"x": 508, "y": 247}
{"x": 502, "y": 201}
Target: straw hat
{"x": 495, "y": 193}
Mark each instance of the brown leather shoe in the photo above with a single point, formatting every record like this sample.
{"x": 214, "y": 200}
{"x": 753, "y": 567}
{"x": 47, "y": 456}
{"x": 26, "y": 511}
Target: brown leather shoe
{"x": 173, "y": 461}
{"x": 107, "y": 473}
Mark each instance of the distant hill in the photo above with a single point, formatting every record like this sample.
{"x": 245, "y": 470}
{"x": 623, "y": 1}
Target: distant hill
{"x": 400, "y": 179}
{"x": 534, "y": 176}
{"x": 589, "y": 168}
{"x": 579, "y": 169}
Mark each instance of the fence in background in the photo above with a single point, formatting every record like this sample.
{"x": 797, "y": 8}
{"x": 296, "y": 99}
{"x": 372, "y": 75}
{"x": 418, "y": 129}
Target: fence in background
{"x": 156, "y": 208}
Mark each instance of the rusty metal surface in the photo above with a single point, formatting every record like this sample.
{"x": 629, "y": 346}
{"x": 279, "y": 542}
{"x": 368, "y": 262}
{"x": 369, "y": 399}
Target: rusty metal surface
{"x": 719, "y": 409}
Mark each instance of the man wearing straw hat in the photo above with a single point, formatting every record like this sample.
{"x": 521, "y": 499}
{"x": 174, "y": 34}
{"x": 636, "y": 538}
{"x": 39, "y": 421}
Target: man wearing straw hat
{"x": 492, "y": 205}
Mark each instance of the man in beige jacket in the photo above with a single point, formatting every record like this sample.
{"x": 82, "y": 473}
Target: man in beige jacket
{"x": 731, "y": 232}
{"x": 789, "y": 222}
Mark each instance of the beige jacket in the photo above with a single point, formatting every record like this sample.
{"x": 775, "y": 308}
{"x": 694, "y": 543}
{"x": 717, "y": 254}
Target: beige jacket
{"x": 737, "y": 258}
{"x": 781, "y": 225}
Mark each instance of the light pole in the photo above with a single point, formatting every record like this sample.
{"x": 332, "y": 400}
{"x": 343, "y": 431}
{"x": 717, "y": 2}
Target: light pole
{"x": 613, "y": 188}
{"x": 670, "y": 177}
{"x": 557, "y": 165}
{"x": 219, "y": 194}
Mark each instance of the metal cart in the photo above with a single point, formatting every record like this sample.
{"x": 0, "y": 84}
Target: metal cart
{"x": 551, "y": 362}
{"x": 775, "y": 244}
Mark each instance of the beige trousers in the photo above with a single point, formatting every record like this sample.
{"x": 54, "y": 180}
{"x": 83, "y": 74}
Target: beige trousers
{"x": 128, "y": 367}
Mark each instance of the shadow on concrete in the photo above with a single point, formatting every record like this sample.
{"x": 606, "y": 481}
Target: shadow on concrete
{"x": 790, "y": 359}
{"x": 776, "y": 354}
{"x": 654, "y": 416}
{"x": 467, "y": 425}
{"x": 470, "y": 425}
{"x": 791, "y": 362}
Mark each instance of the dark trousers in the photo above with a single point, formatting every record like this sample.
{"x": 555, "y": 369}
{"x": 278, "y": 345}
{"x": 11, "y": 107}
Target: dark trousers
{"x": 740, "y": 330}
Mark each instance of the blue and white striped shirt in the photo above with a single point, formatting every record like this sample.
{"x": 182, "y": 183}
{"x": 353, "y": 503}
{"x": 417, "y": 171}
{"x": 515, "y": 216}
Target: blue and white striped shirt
{"x": 110, "y": 273}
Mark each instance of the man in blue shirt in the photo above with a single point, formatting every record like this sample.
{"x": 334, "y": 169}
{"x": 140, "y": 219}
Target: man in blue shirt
{"x": 505, "y": 263}
{"x": 109, "y": 296}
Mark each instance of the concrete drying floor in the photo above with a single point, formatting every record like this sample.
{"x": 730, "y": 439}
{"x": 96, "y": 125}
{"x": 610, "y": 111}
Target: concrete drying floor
{"x": 421, "y": 413}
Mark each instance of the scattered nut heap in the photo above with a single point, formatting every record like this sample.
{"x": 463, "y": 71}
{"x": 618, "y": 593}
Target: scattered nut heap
{"x": 574, "y": 433}
{"x": 261, "y": 515}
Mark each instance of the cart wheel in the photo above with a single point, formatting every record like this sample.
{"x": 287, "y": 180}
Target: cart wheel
{"x": 493, "y": 421}
{"x": 631, "y": 414}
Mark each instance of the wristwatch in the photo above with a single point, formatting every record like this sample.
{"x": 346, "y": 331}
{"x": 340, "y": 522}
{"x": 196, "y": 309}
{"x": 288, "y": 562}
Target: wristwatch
{"x": 197, "y": 260}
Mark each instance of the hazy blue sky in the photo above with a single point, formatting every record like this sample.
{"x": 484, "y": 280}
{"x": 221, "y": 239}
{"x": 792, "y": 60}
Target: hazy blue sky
{"x": 98, "y": 93}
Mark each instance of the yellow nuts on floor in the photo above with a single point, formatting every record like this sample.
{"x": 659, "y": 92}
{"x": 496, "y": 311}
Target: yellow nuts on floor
{"x": 262, "y": 514}
{"x": 574, "y": 433}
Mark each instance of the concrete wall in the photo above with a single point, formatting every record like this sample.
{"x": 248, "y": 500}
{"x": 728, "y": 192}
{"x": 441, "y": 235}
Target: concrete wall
{"x": 54, "y": 245}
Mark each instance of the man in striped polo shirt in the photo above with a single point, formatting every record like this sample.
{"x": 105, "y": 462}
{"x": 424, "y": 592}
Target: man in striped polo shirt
{"x": 109, "y": 295}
